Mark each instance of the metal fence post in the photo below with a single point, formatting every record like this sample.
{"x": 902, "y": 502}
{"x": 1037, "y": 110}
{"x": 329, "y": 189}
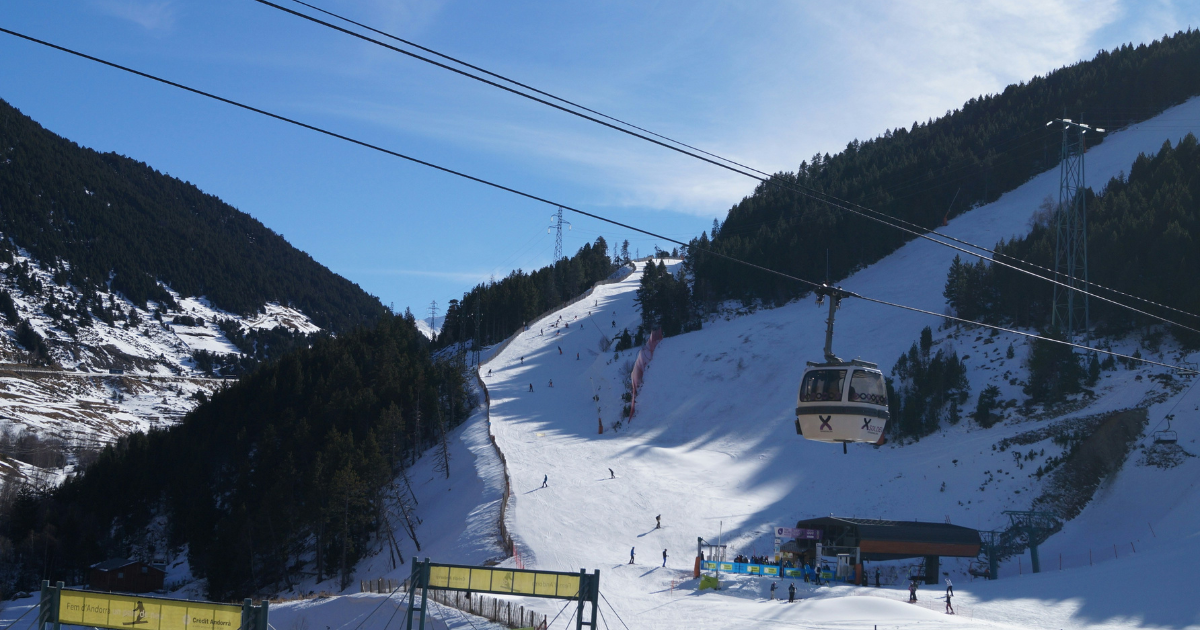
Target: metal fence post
{"x": 54, "y": 606}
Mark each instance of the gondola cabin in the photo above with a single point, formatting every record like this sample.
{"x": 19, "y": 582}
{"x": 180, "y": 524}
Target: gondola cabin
{"x": 843, "y": 401}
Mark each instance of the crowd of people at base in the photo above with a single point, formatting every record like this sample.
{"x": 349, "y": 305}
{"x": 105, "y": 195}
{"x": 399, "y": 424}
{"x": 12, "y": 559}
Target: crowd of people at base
{"x": 786, "y": 564}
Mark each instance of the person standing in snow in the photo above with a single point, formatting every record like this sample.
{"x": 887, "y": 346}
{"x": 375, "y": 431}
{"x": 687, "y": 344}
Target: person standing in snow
{"x": 664, "y": 557}
{"x": 912, "y": 591}
{"x": 658, "y": 522}
{"x": 772, "y": 598}
{"x": 949, "y": 587}
{"x": 551, "y": 383}
{"x": 545, "y": 480}
{"x": 791, "y": 592}
{"x": 560, "y": 349}
{"x": 611, "y": 474}
{"x": 576, "y": 356}
{"x": 531, "y": 387}
{"x": 876, "y": 577}
{"x": 631, "y": 550}
{"x": 949, "y": 608}
{"x": 522, "y": 360}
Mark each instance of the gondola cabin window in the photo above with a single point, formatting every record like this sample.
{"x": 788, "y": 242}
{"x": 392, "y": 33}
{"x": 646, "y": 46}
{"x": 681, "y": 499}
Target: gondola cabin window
{"x": 822, "y": 385}
{"x": 867, "y": 387}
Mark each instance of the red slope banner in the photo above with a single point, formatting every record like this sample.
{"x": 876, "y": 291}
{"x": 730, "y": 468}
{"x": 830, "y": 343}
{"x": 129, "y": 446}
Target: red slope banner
{"x": 639, "y": 367}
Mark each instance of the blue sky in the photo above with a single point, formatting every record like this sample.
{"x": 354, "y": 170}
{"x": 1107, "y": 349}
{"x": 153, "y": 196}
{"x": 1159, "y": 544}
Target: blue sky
{"x": 766, "y": 83}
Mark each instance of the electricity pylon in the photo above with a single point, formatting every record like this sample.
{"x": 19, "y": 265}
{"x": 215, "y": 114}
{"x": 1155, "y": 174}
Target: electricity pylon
{"x": 1071, "y": 312}
{"x": 556, "y": 223}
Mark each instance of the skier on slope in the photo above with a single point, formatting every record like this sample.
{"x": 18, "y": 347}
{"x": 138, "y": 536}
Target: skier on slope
{"x": 631, "y": 550}
{"x": 551, "y": 383}
{"x": 664, "y": 557}
{"x": 658, "y": 522}
{"x": 772, "y": 591}
{"x": 545, "y": 480}
{"x": 791, "y": 592}
{"x": 611, "y": 474}
{"x": 912, "y": 591}
{"x": 949, "y": 608}
{"x": 531, "y": 387}
{"x": 560, "y": 349}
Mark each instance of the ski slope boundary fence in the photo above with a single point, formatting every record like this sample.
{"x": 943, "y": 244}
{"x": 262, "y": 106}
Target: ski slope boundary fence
{"x": 506, "y": 541}
{"x": 490, "y": 608}
{"x": 639, "y": 368}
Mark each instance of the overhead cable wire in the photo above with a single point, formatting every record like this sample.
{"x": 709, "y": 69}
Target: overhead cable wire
{"x": 613, "y": 608}
{"x": 569, "y": 208}
{"x": 560, "y": 611}
{"x": 14, "y": 621}
{"x": 505, "y": 79}
{"x": 729, "y": 165}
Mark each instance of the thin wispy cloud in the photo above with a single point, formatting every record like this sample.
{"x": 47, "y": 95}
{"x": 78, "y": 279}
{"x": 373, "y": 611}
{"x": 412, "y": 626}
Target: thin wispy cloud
{"x": 878, "y": 66}
{"x": 152, "y": 15}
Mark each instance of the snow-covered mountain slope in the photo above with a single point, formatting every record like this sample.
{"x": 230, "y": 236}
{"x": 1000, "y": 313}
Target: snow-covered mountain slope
{"x": 425, "y": 329}
{"x": 713, "y": 450}
{"x": 100, "y": 380}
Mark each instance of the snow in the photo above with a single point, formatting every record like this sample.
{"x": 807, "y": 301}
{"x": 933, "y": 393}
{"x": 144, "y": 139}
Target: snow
{"x": 713, "y": 450}
{"x": 78, "y": 400}
{"x": 424, "y": 328}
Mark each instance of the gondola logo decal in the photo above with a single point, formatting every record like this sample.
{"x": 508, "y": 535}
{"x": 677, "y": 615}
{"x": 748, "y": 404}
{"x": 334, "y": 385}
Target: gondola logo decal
{"x": 825, "y": 423}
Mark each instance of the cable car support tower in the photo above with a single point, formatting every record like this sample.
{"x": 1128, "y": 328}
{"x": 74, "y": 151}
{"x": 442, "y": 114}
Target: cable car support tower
{"x": 1071, "y": 314}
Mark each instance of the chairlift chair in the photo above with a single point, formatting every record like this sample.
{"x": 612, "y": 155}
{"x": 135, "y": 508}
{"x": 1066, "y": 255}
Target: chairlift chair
{"x": 1166, "y": 436}
{"x": 841, "y": 401}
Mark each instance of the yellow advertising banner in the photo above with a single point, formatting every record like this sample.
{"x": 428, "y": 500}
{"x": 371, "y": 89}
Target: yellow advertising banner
{"x": 129, "y": 612}
{"x": 504, "y": 581}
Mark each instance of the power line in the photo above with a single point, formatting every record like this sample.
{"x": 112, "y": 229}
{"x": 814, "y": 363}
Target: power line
{"x": 563, "y": 206}
{"x": 725, "y": 163}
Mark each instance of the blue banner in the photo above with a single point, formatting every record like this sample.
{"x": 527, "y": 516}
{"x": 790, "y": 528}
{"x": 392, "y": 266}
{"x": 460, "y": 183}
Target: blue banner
{"x": 769, "y": 570}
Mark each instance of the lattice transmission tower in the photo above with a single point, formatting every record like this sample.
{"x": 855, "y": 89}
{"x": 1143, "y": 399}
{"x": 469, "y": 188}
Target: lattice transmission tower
{"x": 556, "y": 225}
{"x": 1071, "y": 314}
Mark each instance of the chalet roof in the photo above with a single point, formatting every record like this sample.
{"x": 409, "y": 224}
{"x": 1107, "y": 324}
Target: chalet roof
{"x": 906, "y": 531}
{"x": 113, "y": 564}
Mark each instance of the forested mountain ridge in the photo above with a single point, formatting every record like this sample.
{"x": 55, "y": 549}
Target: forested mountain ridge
{"x": 933, "y": 170}
{"x": 1142, "y": 233}
{"x": 101, "y": 221}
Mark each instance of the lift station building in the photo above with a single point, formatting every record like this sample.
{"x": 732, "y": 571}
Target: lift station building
{"x": 878, "y": 540}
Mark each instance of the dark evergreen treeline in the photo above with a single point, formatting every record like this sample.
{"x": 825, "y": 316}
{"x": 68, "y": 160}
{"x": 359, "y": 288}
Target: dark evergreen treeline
{"x": 933, "y": 170}
{"x": 1143, "y": 239}
{"x": 666, "y": 303}
{"x": 290, "y": 465}
{"x": 926, "y": 389}
{"x": 510, "y": 303}
{"x": 257, "y": 346}
{"x": 90, "y": 216}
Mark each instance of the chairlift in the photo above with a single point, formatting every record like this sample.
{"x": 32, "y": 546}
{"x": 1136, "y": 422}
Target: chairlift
{"x": 841, "y": 401}
{"x": 1166, "y": 436}
{"x": 979, "y": 568}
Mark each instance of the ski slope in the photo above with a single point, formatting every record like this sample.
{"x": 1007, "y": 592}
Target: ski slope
{"x": 713, "y": 450}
